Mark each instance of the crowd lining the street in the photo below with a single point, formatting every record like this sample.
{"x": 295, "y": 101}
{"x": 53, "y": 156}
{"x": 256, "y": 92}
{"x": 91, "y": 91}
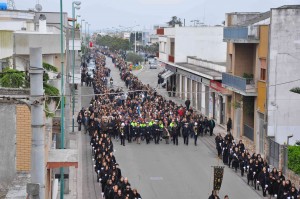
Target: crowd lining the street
{"x": 141, "y": 114}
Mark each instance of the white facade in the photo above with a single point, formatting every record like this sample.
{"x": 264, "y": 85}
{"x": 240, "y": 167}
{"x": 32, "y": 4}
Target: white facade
{"x": 283, "y": 75}
{"x": 203, "y": 42}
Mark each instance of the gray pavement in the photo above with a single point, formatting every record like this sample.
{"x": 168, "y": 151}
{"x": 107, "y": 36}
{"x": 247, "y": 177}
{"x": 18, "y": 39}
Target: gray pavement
{"x": 90, "y": 189}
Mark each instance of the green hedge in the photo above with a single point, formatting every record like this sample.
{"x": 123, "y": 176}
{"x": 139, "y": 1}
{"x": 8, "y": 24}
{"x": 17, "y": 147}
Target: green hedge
{"x": 294, "y": 159}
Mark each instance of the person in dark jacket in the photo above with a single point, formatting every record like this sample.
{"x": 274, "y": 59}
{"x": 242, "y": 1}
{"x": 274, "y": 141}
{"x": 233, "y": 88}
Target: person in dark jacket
{"x": 187, "y": 104}
{"x": 214, "y": 195}
{"x": 263, "y": 178}
{"x": 135, "y": 194}
{"x": 229, "y": 125}
{"x": 185, "y": 133}
{"x": 211, "y": 126}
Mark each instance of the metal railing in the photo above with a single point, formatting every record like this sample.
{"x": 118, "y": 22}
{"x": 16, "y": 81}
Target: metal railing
{"x": 236, "y": 82}
{"x": 236, "y": 33}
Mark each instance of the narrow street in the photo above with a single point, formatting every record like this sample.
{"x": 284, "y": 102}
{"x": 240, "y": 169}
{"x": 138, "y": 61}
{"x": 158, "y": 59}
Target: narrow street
{"x": 162, "y": 171}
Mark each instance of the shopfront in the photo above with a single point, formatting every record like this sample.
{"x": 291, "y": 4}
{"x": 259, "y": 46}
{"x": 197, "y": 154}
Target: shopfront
{"x": 217, "y": 101}
{"x": 196, "y": 88}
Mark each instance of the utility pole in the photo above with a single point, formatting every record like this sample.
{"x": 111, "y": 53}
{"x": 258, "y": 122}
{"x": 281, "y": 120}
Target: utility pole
{"x": 62, "y": 99}
{"x": 37, "y": 121}
{"x": 134, "y": 41}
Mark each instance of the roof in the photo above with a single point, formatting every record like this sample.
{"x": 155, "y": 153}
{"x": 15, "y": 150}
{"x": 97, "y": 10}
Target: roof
{"x": 202, "y": 71}
{"x": 62, "y": 158}
{"x": 259, "y": 18}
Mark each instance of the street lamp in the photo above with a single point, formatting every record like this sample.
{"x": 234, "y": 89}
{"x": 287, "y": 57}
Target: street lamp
{"x": 77, "y": 3}
{"x": 85, "y": 32}
{"x": 81, "y": 28}
{"x": 62, "y": 99}
{"x": 286, "y": 153}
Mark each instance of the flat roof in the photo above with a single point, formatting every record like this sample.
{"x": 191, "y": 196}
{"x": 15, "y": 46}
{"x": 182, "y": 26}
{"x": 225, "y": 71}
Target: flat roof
{"x": 62, "y": 158}
{"x": 205, "y": 72}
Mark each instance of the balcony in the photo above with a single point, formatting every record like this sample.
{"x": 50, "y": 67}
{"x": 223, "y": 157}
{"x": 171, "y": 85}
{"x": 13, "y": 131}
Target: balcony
{"x": 248, "y": 34}
{"x": 160, "y": 31}
{"x": 171, "y": 59}
{"x": 244, "y": 86}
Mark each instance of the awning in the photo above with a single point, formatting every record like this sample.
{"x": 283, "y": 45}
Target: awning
{"x": 167, "y": 74}
{"x": 62, "y": 158}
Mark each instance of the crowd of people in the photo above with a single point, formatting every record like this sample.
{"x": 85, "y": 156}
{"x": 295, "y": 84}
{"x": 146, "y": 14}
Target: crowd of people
{"x": 109, "y": 175}
{"x": 259, "y": 174}
{"x": 140, "y": 115}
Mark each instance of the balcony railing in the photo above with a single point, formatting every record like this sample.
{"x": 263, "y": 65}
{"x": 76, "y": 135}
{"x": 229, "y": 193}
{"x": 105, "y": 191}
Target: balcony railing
{"x": 238, "y": 83}
{"x": 171, "y": 58}
{"x": 241, "y": 34}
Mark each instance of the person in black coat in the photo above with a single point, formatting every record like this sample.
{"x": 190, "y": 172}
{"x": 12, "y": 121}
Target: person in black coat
{"x": 135, "y": 194}
{"x": 219, "y": 142}
{"x": 185, "y": 133}
{"x": 263, "y": 178}
{"x": 214, "y": 195}
{"x": 187, "y": 104}
{"x": 147, "y": 131}
{"x": 229, "y": 125}
{"x": 175, "y": 132}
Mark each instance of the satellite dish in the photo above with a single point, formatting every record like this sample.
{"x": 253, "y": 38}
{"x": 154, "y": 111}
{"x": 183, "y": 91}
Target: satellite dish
{"x": 38, "y": 7}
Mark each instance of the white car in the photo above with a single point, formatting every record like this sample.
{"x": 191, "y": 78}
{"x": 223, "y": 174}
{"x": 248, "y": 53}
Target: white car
{"x": 153, "y": 64}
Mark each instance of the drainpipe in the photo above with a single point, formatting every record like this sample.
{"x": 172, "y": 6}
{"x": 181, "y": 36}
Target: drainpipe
{"x": 37, "y": 120}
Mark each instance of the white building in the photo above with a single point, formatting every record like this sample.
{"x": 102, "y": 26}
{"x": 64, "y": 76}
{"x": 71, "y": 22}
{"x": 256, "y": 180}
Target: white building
{"x": 284, "y": 74}
{"x": 195, "y": 58}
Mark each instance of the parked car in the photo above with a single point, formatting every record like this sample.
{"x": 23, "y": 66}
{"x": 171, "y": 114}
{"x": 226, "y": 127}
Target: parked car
{"x": 153, "y": 63}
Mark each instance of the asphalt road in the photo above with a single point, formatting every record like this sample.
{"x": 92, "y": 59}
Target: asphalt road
{"x": 168, "y": 171}
{"x": 162, "y": 171}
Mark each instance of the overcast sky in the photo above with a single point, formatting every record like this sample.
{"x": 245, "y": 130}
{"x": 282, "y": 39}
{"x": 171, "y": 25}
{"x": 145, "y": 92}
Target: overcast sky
{"x": 103, "y": 14}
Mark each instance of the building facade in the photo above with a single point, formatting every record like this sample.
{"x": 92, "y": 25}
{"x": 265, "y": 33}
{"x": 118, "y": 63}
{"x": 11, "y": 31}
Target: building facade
{"x": 195, "y": 58}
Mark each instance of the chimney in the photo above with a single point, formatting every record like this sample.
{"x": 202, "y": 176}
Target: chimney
{"x": 42, "y": 24}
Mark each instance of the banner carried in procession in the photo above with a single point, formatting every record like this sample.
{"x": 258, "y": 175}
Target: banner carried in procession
{"x": 218, "y": 177}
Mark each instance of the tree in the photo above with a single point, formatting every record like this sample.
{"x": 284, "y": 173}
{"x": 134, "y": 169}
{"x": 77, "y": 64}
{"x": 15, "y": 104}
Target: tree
{"x": 11, "y": 78}
{"x": 295, "y": 90}
{"x": 174, "y": 21}
{"x": 134, "y": 58}
{"x": 113, "y": 43}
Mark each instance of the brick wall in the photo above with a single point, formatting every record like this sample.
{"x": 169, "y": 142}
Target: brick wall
{"x": 23, "y": 138}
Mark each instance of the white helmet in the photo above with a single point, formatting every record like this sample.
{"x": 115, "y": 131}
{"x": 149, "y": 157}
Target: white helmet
{"x": 196, "y": 123}
{"x": 122, "y": 124}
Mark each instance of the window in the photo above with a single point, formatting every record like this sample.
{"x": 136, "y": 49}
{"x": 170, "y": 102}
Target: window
{"x": 263, "y": 74}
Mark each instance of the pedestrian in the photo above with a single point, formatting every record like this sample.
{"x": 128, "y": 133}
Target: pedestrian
{"x": 211, "y": 126}
{"x": 195, "y": 131}
{"x": 214, "y": 195}
{"x": 229, "y": 125}
{"x": 85, "y": 122}
{"x": 187, "y": 103}
{"x": 226, "y": 197}
{"x": 185, "y": 133}
{"x": 169, "y": 89}
{"x": 122, "y": 134}
{"x": 79, "y": 121}
{"x": 174, "y": 90}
